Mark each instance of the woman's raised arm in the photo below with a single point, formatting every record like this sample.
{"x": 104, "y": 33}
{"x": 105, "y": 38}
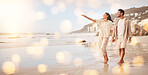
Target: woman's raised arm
{"x": 88, "y": 18}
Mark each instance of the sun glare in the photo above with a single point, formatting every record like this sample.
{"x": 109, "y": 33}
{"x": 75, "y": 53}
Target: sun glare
{"x": 15, "y": 14}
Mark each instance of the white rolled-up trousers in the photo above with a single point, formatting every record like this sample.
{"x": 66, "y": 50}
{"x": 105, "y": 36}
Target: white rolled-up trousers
{"x": 103, "y": 41}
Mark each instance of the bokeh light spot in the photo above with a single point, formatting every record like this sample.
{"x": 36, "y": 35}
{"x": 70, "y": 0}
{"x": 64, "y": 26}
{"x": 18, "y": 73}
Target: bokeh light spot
{"x": 8, "y": 67}
{"x": 66, "y": 26}
{"x": 42, "y": 68}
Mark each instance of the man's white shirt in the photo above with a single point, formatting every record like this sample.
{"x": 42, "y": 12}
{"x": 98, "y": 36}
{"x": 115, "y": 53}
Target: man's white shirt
{"x": 121, "y": 28}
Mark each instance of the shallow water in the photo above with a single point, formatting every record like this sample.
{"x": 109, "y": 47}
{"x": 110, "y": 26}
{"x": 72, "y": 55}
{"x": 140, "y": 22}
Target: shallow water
{"x": 89, "y": 53}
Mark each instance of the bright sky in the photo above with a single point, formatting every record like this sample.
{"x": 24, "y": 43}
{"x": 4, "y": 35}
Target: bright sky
{"x": 56, "y": 15}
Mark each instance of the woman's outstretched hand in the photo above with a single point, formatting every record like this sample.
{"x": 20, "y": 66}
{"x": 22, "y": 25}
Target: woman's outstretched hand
{"x": 83, "y": 15}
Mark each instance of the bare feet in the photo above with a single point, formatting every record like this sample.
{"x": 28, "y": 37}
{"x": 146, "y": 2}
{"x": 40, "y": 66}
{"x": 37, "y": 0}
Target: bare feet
{"x": 120, "y": 62}
{"x": 105, "y": 61}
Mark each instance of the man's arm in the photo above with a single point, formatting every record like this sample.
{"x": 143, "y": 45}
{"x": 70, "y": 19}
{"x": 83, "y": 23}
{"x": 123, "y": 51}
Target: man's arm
{"x": 129, "y": 31}
{"x": 88, "y": 18}
{"x": 113, "y": 34}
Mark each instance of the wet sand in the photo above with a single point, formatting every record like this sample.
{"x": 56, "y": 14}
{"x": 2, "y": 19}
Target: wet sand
{"x": 80, "y": 58}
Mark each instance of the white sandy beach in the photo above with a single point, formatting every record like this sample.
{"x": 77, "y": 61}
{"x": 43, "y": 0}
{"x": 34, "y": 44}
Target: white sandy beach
{"x": 63, "y": 55}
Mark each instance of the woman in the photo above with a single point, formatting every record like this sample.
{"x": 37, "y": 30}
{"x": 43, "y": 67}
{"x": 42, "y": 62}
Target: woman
{"x": 105, "y": 26}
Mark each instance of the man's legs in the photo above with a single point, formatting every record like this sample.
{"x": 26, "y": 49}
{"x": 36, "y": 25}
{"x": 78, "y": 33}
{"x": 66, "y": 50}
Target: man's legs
{"x": 121, "y": 53}
{"x": 122, "y": 46}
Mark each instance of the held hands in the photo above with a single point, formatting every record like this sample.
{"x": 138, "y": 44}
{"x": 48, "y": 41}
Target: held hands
{"x": 130, "y": 40}
{"x": 113, "y": 39}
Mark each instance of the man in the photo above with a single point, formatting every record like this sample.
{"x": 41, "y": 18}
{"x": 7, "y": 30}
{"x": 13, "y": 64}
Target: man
{"x": 121, "y": 33}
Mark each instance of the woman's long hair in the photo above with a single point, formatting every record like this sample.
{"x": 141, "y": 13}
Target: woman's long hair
{"x": 109, "y": 17}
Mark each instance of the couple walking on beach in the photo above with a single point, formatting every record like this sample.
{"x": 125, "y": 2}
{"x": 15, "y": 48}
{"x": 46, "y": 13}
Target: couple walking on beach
{"x": 121, "y": 33}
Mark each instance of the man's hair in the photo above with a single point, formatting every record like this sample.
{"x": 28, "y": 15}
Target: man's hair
{"x": 121, "y": 10}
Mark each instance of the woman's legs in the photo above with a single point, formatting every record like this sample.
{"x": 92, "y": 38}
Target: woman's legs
{"x": 103, "y": 48}
{"x": 100, "y": 41}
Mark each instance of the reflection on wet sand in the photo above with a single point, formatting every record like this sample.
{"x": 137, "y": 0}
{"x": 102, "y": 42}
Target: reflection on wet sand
{"x": 74, "y": 58}
{"x": 123, "y": 69}
{"x": 136, "y": 54}
{"x": 106, "y": 67}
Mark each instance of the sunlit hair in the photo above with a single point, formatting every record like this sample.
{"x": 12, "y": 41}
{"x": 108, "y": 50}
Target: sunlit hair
{"x": 109, "y": 17}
